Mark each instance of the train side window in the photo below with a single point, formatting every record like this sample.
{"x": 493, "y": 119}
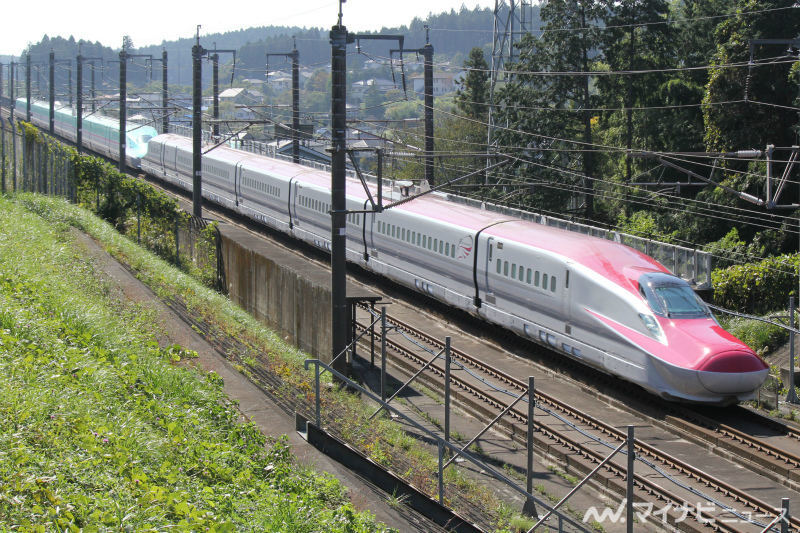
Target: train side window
{"x": 419, "y": 238}
{"x": 499, "y": 264}
{"x": 521, "y": 272}
{"x": 453, "y": 251}
{"x": 447, "y": 248}
{"x": 536, "y": 279}
{"x": 505, "y": 268}
{"x": 435, "y": 244}
{"x": 528, "y": 276}
{"x": 430, "y": 242}
{"x": 553, "y": 284}
{"x": 513, "y": 270}
{"x": 544, "y": 281}
{"x": 441, "y": 247}
{"x": 402, "y": 234}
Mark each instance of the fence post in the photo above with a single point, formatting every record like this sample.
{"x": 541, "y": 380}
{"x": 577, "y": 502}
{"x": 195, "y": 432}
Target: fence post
{"x": 317, "y": 402}
{"x": 441, "y": 472}
{"x": 785, "y": 515}
{"x": 138, "y": 218}
{"x": 629, "y": 489}
{"x": 791, "y": 395}
{"x": 530, "y": 507}
{"x": 531, "y": 407}
{"x": 383, "y": 354}
{"x": 177, "y": 243}
{"x": 14, "y": 155}
{"x": 447, "y": 389}
{"x": 2, "y": 155}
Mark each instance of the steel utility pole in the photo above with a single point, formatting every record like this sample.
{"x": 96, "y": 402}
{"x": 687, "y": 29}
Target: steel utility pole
{"x": 28, "y": 87}
{"x": 294, "y": 55}
{"x": 52, "y": 92}
{"x": 123, "y": 109}
{"x": 197, "y": 182}
{"x": 339, "y": 39}
{"x": 11, "y": 90}
{"x": 215, "y": 83}
{"x": 164, "y": 92}
{"x": 427, "y": 56}
{"x": 79, "y": 114}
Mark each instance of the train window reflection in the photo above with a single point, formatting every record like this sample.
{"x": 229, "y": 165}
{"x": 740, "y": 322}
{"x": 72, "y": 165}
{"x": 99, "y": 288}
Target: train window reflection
{"x": 670, "y": 296}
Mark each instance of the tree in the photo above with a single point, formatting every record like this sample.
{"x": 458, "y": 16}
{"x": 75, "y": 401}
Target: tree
{"x": 473, "y": 92}
{"x": 759, "y": 120}
{"x": 549, "y": 116}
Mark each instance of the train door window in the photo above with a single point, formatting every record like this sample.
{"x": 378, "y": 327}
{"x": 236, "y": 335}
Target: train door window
{"x": 528, "y": 276}
{"x": 553, "y": 284}
{"x": 499, "y": 265}
{"x": 536, "y": 279}
{"x": 566, "y": 281}
{"x": 513, "y": 270}
{"x": 505, "y": 268}
{"x": 544, "y": 281}
{"x": 358, "y": 219}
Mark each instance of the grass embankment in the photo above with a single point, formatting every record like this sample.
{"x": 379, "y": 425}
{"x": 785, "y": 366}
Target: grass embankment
{"x": 254, "y": 349}
{"x": 99, "y": 431}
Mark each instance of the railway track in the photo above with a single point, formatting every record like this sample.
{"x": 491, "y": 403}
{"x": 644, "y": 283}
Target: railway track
{"x": 782, "y": 464}
{"x": 479, "y": 402}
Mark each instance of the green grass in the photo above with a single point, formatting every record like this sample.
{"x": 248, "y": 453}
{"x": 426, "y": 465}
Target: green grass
{"x": 760, "y": 336}
{"x": 99, "y": 430}
{"x": 343, "y": 414}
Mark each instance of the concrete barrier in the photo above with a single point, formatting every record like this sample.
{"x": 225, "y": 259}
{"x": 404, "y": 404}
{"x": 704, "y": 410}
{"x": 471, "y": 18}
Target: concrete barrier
{"x": 280, "y": 289}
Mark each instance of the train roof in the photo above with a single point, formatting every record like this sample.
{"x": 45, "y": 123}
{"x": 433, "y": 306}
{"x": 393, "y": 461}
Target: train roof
{"x": 614, "y": 261}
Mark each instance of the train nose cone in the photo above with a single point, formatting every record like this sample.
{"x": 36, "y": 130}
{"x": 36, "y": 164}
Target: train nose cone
{"x": 732, "y": 372}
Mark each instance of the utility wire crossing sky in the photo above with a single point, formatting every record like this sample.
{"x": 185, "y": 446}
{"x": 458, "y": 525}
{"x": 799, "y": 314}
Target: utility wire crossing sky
{"x": 96, "y": 20}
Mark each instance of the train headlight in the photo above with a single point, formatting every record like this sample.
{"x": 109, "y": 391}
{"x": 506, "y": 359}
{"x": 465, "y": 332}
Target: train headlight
{"x": 652, "y": 326}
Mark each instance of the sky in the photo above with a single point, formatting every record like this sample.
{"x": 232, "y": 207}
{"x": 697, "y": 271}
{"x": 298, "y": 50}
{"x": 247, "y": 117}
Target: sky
{"x": 96, "y": 20}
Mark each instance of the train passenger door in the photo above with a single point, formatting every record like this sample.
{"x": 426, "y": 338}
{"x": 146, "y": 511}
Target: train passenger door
{"x": 566, "y": 299}
{"x": 237, "y": 182}
{"x": 292, "y": 203}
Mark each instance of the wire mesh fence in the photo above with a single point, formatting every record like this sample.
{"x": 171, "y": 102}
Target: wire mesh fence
{"x": 34, "y": 162}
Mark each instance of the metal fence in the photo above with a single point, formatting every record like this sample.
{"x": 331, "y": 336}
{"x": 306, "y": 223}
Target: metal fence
{"x": 31, "y": 161}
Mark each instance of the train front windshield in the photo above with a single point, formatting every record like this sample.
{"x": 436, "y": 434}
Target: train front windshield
{"x": 671, "y": 297}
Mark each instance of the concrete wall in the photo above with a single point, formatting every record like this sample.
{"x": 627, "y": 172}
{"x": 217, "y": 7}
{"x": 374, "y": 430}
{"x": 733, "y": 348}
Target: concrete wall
{"x": 280, "y": 289}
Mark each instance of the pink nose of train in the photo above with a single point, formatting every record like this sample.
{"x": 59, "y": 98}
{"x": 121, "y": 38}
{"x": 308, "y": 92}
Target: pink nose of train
{"x": 732, "y": 371}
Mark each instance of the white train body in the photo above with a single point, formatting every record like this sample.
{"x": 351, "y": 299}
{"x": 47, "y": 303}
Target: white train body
{"x": 602, "y": 303}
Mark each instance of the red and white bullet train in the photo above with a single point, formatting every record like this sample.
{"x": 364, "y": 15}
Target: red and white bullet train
{"x": 600, "y": 302}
